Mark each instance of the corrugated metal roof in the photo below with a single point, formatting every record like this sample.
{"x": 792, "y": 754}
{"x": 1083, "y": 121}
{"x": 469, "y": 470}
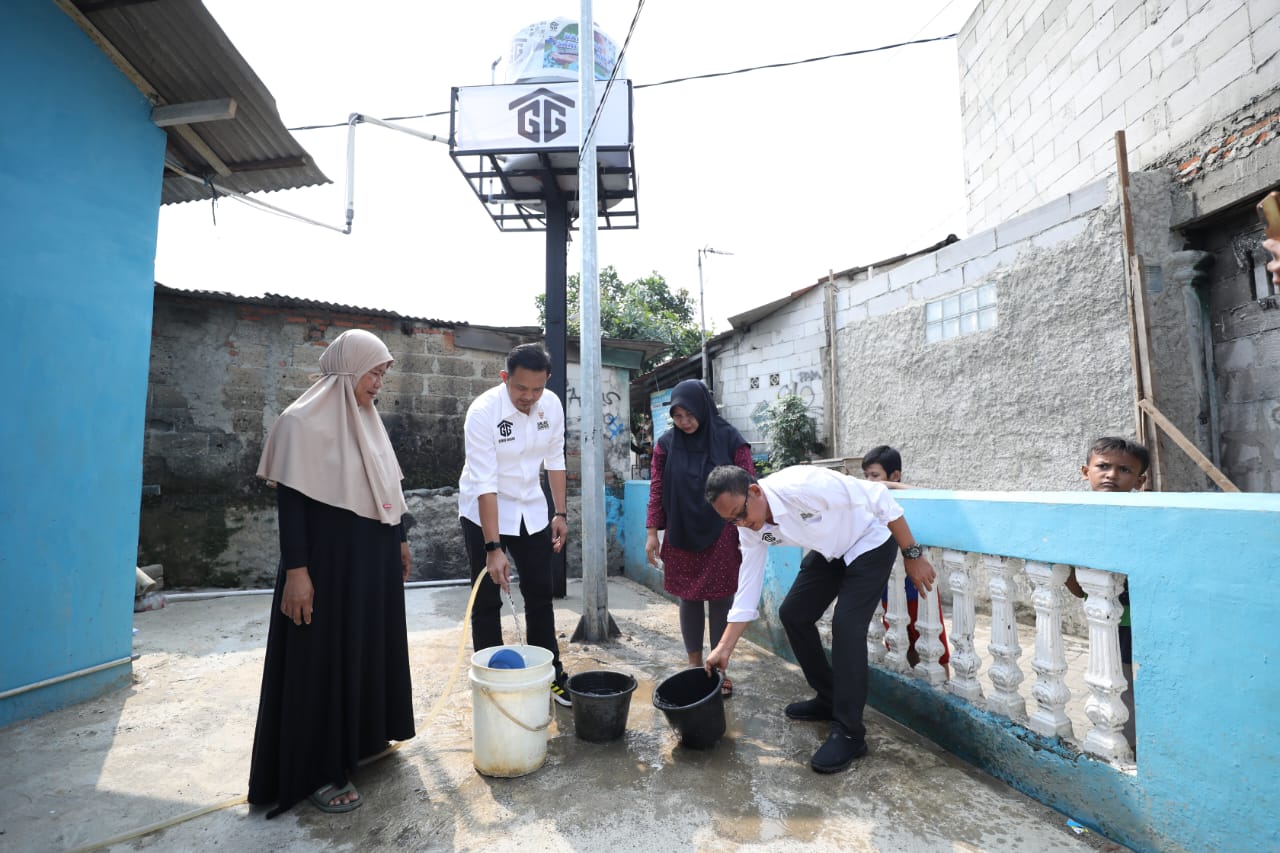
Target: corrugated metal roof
{"x": 277, "y": 300}
{"x": 183, "y": 56}
{"x": 647, "y": 349}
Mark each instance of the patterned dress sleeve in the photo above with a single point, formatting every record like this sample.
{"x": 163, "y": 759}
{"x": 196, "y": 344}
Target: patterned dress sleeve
{"x": 656, "y": 517}
{"x": 742, "y": 458}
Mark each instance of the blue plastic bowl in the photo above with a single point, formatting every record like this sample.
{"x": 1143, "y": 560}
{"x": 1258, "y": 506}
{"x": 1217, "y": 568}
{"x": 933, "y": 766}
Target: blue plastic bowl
{"x": 506, "y": 659}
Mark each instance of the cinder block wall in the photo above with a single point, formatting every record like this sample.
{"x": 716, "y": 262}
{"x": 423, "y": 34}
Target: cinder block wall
{"x": 224, "y": 367}
{"x": 222, "y": 370}
{"x": 784, "y": 353}
{"x": 1045, "y": 84}
{"x": 1015, "y": 406}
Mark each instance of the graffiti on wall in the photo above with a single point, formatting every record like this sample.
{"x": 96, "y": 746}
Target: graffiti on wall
{"x": 615, "y": 423}
{"x": 801, "y": 386}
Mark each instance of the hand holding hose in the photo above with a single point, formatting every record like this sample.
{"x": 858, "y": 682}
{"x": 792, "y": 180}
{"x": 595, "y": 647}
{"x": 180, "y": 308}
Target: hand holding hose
{"x": 499, "y": 569}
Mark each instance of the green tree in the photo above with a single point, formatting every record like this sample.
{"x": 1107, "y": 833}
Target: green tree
{"x": 791, "y": 432}
{"x": 641, "y": 310}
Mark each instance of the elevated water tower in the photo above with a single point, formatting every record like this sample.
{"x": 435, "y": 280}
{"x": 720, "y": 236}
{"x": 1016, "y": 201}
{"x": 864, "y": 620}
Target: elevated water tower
{"x": 517, "y": 144}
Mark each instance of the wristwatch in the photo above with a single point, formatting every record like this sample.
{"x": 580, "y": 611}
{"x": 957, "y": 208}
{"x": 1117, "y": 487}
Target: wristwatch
{"x": 563, "y": 515}
{"x": 913, "y": 552}
{"x": 492, "y": 546}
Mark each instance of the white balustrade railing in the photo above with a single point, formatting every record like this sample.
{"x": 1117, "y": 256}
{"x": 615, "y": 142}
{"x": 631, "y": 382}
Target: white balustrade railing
{"x": 929, "y": 644}
{"x": 1053, "y": 701}
{"x": 895, "y": 636}
{"x": 1105, "y": 678}
{"x": 1005, "y": 673}
{"x": 1050, "y": 661}
{"x": 966, "y": 662}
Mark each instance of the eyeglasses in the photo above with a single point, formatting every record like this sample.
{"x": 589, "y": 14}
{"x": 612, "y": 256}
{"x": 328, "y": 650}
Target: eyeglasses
{"x": 741, "y": 515}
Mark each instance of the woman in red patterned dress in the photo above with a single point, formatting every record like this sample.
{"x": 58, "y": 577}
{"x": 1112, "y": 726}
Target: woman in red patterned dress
{"x": 699, "y": 551}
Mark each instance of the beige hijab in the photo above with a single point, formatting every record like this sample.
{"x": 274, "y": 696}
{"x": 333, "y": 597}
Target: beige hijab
{"x": 331, "y": 449}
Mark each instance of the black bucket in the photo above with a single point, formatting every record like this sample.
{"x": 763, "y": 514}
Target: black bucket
{"x": 694, "y": 707}
{"x": 601, "y": 700}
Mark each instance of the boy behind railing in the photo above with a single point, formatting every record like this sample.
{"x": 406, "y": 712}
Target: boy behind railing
{"x": 1117, "y": 465}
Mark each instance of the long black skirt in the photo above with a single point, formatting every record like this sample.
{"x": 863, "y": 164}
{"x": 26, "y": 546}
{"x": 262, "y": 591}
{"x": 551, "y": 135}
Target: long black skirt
{"x": 334, "y": 691}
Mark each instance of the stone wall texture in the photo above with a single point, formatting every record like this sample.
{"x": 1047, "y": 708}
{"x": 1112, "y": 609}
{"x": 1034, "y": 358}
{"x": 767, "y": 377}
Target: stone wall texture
{"x": 223, "y": 368}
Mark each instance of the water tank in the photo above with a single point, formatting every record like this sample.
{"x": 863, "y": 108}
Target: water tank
{"x": 547, "y": 52}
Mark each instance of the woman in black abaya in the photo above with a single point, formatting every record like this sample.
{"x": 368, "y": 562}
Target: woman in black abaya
{"x": 335, "y": 682}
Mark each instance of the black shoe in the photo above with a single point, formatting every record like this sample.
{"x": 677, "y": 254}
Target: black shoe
{"x": 559, "y": 694}
{"x": 837, "y": 753}
{"x": 809, "y": 710}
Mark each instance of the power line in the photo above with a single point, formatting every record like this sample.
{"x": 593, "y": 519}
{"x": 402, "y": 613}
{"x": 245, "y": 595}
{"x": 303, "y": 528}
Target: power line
{"x": 793, "y": 62}
{"x": 709, "y": 76}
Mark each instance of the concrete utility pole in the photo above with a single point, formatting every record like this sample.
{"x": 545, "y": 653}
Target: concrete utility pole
{"x": 595, "y": 623}
{"x": 702, "y": 304}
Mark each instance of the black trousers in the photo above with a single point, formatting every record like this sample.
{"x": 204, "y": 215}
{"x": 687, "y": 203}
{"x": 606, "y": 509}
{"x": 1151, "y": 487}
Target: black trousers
{"x": 842, "y": 682}
{"x": 531, "y": 553}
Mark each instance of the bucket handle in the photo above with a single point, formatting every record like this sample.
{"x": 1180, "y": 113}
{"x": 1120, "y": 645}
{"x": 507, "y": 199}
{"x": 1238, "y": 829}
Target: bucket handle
{"x": 535, "y": 729}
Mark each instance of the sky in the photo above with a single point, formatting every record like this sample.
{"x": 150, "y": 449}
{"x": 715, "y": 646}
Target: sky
{"x": 795, "y": 171}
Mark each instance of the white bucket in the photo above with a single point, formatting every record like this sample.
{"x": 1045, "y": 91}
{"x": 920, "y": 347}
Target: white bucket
{"x": 511, "y": 710}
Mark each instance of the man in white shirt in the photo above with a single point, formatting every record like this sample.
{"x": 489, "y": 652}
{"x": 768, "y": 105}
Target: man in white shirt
{"x": 512, "y": 431}
{"x": 851, "y": 527}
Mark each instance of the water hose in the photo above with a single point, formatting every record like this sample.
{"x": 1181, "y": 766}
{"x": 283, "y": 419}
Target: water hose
{"x": 243, "y": 799}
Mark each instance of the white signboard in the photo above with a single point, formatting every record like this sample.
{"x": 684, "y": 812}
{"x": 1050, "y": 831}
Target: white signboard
{"x": 536, "y": 116}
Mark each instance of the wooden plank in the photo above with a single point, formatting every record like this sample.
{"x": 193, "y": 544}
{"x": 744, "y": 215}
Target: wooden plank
{"x": 1139, "y": 338}
{"x": 1190, "y": 449}
{"x": 116, "y": 57}
{"x": 202, "y": 148}
{"x": 126, "y": 67}
{"x": 194, "y": 112}
{"x": 1137, "y": 282}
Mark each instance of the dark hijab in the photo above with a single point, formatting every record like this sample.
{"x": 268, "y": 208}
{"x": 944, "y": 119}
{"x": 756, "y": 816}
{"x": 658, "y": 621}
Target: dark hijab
{"x": 692, "y": 523}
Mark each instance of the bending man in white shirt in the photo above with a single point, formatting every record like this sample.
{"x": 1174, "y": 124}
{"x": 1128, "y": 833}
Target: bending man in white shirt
{"x": 851, "y": 528}
{"x": 513, "y": 430}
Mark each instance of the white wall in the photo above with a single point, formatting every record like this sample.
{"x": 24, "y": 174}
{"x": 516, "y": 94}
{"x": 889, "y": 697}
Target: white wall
{"x": 780, "y": 354}
{"x": 1045, "y": 84}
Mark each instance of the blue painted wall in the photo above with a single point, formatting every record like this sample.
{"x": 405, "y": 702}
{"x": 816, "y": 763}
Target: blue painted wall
{"x": 80, "y": 176}
{"x": 1200, "y": 569}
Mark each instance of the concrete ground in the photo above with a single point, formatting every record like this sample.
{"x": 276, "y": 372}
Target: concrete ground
{"x": 179, "y": 740}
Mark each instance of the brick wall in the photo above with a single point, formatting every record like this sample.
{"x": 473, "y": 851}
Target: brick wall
{"x": 1045, "y": 84}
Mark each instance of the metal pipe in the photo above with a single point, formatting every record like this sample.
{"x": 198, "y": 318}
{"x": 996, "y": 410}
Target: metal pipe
{"x": 233, "y": 593}
{"x": 251, "y": 201}
{"x": 350, "y": 207}
{"x": 421, "y": 134}
{"x": 58, "y": 679}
